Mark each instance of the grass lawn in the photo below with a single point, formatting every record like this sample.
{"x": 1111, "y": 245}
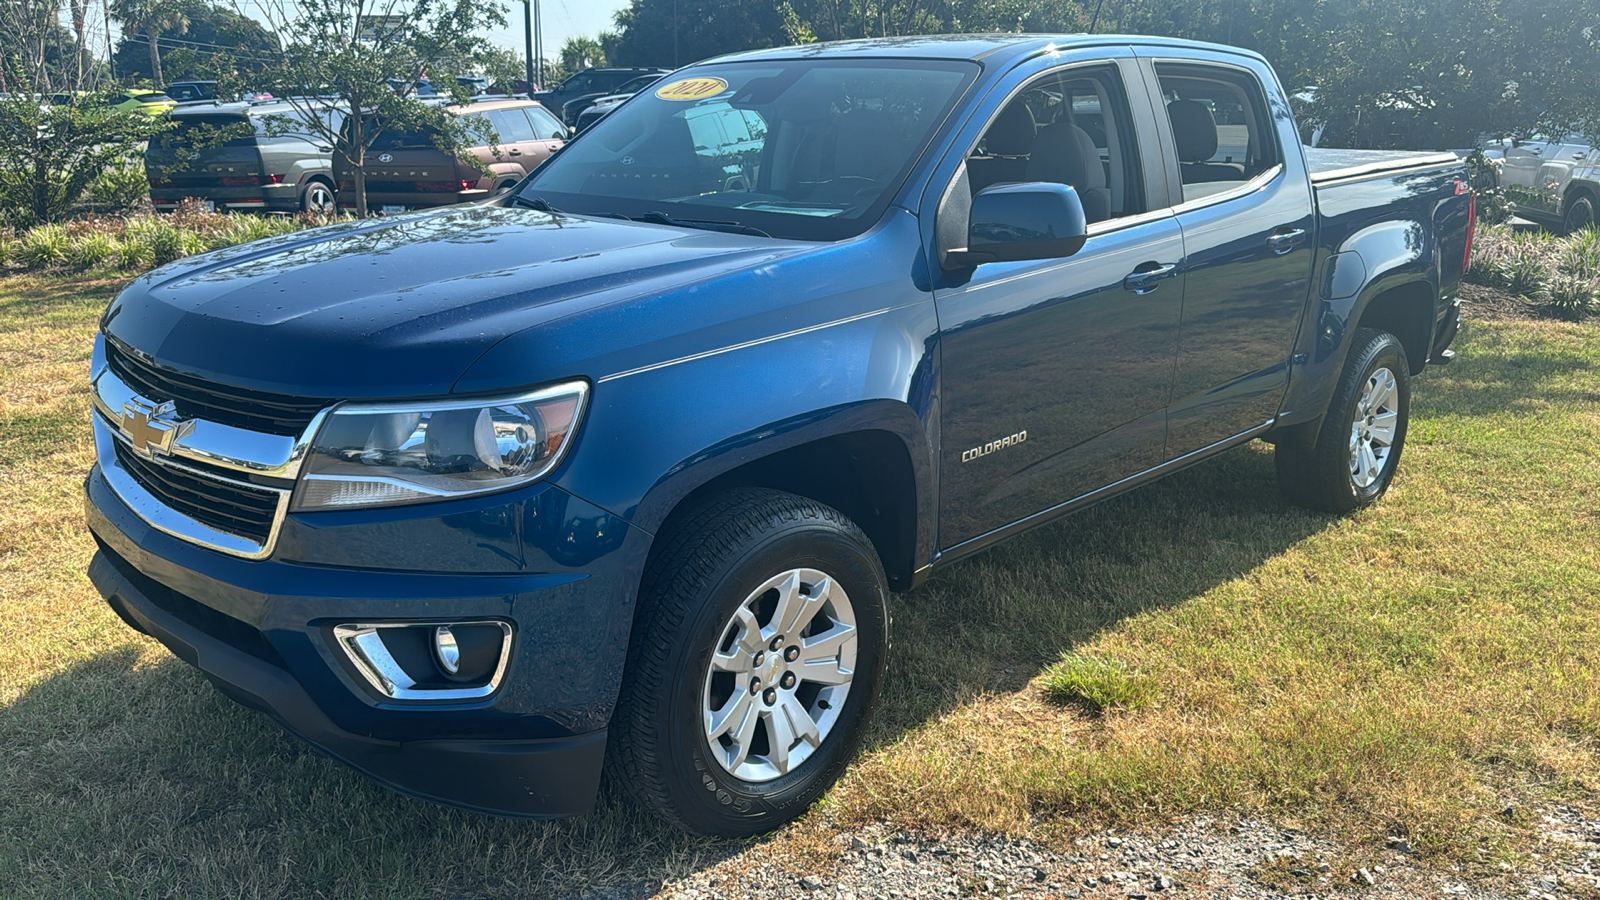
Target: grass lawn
{"x": 1407, "y": 670}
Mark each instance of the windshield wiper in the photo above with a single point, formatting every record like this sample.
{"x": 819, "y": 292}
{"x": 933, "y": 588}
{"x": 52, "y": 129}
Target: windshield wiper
{"x": 655, "y": 217}
{"x": 538, "y": 204}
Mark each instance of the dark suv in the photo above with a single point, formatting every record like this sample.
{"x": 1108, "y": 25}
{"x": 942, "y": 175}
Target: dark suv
{"x": 590, "y": 83}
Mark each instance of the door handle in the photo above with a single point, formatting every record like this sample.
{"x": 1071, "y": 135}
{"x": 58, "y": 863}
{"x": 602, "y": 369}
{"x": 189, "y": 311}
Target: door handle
{"x": 515, "y": 152}
{"x": 1148, "y": 277}
{"x": 1282, "y": 242}
{"x": 1536, "y": 151}
{"x": 1580, "y": 156}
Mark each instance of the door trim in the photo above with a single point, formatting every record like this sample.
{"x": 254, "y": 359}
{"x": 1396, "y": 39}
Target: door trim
{"x": 989, "y": 539}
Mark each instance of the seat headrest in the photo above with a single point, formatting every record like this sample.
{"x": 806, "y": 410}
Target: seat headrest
{"x": 1065, "y": 154}
{"x": 1012, "y": 132}
{"x": 1194, "y": 130}
{"x": 866, "y": 145}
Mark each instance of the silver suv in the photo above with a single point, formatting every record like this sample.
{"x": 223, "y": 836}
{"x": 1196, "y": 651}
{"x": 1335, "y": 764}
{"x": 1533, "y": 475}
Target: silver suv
{"x": 240, "y": 156}
{"x": 1555, "y": 182}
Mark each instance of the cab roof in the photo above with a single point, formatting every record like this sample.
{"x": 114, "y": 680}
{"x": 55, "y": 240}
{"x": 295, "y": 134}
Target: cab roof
{"x": 999, "y": 48}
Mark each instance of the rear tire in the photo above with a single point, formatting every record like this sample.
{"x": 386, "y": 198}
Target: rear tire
{"x": 318, "y": 199}
{"x": 1356, "y": 450}
{"x": 758, "y": 653}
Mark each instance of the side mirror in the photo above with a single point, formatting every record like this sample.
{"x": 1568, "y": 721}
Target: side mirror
{"x": 1016, "y": 222}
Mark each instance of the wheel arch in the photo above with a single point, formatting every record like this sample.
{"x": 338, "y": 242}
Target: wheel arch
{"x": 875, "y": 470}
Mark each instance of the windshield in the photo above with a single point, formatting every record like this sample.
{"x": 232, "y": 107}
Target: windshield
{"x": 805, "y": 149}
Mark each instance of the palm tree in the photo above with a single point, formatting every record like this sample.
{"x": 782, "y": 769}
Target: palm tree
{"x": 580, "y": 53}
{"x": 154, "y": 18}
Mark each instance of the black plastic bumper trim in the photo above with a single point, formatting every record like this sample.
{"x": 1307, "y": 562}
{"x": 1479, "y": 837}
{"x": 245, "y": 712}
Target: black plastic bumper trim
{"x": 531, "y": 779}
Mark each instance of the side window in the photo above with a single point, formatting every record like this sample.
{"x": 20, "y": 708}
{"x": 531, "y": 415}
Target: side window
{"x": 1070, "y": 127}
{"x": 545, "y": 126}
{"x": 512, "y": 126}
{"x": 1220, "y": 125}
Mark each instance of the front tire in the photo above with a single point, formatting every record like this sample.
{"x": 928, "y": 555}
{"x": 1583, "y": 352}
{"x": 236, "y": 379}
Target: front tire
{"x": 758, "y": 653}
{"x": 1356, "y": 450}
{"x": 1580, "y": 214}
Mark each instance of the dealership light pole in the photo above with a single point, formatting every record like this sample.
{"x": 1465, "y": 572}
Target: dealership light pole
{"x": 527, "y": 22}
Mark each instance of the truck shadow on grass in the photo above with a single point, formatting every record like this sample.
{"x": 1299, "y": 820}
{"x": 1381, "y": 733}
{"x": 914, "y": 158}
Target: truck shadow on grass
{"x": 139, "y": 778}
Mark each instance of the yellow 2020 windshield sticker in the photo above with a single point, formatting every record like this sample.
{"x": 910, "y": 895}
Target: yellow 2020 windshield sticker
{"x": 692, "y": 88}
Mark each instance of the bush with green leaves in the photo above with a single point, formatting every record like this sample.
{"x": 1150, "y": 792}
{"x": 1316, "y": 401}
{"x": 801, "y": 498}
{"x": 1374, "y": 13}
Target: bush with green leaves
{"x": 121, "y": 189}
{"x": 139, "y": 242}
{"x": 51, "y": 153}
{"x": 91, "y": 250}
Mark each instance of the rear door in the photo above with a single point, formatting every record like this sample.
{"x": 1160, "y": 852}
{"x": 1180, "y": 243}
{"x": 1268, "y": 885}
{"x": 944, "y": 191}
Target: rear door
{"x": 548, "y": 131}
{"x": 1247, "y": 221}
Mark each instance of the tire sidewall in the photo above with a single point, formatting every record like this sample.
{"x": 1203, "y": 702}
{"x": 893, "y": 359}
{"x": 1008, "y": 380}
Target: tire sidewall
{"x": 717, "y": 801}
{"x": 306, "y": 204}
{"x": 1575, "y": 219}
{"x": 1382, "y": 351}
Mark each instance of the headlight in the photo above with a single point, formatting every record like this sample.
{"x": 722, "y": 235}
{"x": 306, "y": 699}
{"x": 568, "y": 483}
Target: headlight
{"x": 380, "y": 455}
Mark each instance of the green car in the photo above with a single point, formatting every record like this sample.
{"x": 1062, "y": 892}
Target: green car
{"x": 151, "y": 103}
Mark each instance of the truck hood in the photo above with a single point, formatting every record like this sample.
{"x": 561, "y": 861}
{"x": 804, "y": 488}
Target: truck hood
{"x": 402, "y": 307}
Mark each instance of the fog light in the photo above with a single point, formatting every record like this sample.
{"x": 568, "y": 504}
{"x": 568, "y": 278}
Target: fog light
{"x": 427, "y": 660}
{"x": 446, "y": 648}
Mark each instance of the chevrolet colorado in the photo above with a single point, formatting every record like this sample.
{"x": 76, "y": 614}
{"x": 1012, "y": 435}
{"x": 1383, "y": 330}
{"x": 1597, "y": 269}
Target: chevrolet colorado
{"x": 628, "y": 462}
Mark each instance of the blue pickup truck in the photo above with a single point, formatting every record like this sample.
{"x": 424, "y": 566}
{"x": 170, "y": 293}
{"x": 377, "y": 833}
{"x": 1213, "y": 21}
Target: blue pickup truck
{"x": 620, "y": 471}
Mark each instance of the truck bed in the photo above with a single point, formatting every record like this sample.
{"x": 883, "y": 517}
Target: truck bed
{"x": 1328, "y": 164}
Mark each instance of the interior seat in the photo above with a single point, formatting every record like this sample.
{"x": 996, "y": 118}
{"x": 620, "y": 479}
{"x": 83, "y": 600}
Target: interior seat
{"x": 1065, "y": 154}
{"x": 1194, "y": 130}
{"x": 1007, "y": 145}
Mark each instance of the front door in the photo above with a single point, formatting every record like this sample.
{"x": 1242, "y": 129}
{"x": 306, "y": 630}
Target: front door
{"x": 1247, "y": 234}
{"x": 1056, "y": 373}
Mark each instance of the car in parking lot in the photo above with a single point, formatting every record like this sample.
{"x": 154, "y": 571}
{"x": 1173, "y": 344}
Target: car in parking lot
{"x": 405, "y": 170}
{"x": 589, "y": 84}
{"x": 149, "y": 103}
{"x": 591, "y": 111}
{"x": 243, "y": 156}
{"x": 1554, "y": 182}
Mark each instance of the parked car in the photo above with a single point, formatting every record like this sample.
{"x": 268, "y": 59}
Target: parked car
{"x": 405, "y": 170}
{"x": 150, "y": 103}
{"x": 632, "y": 460}
{"x": 1554, "y": 182}
{"x": 242, "y": 156}
{"x": 192, "y": 91}
{"x": 572, "y": 111}
{"x": 589, "y": 83}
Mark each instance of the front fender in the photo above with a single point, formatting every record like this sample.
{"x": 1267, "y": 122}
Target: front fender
{"x": 655, "y": 435}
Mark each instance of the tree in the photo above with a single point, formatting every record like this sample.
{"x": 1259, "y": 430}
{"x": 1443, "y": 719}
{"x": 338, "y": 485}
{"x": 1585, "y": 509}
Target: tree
{"x": 152, "y": 18}
{"x": 213, "y": 48}
{"x": 579, "y": 53}
{"x": 37, "y": 53}
{"x": 337, "y": 54}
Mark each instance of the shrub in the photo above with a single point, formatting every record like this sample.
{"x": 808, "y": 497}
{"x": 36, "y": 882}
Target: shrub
{"x": 87, "y": 251}
{"x": 43, "y": 247}
{"x": 134, "y": 255}
{"x": 121, "y": 189}
{"x": 1570, "y": 296}
{"x": 1097, "y": 684}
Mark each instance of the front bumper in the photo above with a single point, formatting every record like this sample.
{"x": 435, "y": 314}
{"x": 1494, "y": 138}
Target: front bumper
{"x": 258, "y": 629}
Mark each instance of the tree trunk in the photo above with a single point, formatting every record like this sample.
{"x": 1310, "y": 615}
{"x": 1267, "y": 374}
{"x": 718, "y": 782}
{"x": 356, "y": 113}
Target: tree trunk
{"x": 80, "y": 9}
{"x": 356, "y": 156}
{"x": 155, "y": 56}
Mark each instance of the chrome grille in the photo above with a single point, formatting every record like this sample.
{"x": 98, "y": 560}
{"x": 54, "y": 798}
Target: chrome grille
{"x": 225, "y": 505}
{"x": 196, "y": 398}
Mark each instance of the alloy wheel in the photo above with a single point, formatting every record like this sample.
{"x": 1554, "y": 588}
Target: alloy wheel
{"x": 1372, "y": 431}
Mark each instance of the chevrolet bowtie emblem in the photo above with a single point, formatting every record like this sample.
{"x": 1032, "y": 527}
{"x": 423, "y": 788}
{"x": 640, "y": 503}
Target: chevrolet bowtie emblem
{"x": 150, "y": 429}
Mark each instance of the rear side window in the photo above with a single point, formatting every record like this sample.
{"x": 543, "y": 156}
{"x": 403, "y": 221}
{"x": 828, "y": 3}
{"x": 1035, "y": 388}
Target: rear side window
{"x": 1220, "y": 126}
{"x": 545, "y": 126}
{"x": 512, "y": 126}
